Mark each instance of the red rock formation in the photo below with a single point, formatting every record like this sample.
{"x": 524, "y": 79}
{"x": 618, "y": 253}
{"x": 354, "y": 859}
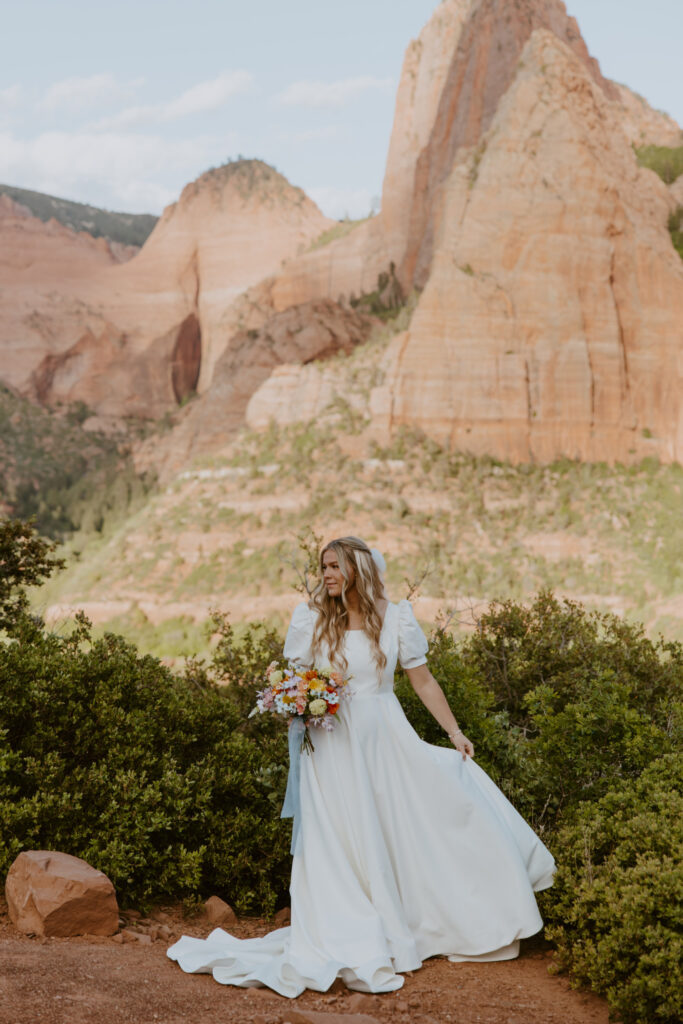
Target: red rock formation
{"x": 550, "y": 317}
{"x": 552, "y": 320}
{"x": 136, "y": 338}
{"x": 315, "y": 330}
{"x": 552, "y": 292}
{"x": 482, "y": 68}
{"x": 50, "y": 893}
{"x": 643, "y": 125}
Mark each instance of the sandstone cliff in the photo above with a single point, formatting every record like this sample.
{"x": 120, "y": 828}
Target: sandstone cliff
{"x": 136, "y": 338}
{"x": 316, "y": 330}
{"x": 552, "y": 320}
{"x": 40, "y": 263}
{"x": 550, "y": 293}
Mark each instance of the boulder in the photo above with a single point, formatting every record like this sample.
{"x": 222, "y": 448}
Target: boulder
{"x": 219, "y": 912}
{"x": 50, "y": 893}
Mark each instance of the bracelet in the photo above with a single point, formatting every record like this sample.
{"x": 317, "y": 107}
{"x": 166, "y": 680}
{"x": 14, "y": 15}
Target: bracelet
{"x": 455, "y": 733}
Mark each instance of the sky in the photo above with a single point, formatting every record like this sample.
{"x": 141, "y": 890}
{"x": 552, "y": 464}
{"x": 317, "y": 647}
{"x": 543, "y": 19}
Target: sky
{"x": 121, "y": 104}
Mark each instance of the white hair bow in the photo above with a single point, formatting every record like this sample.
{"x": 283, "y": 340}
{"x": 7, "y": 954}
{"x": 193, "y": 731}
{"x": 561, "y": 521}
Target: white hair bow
{"x": 378, "y": 559}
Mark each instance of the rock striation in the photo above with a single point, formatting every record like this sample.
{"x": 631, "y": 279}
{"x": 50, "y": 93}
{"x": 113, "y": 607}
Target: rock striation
{"x": 301, "y": 334}
{"x": 140, "y": 336}
{"x": 549, "y": 321}
{"x": 550, "y": 294}
{"x": 50, "y": 893}
{"x": 552, "y": 320}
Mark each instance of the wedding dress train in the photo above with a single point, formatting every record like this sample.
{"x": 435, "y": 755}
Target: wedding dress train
{"x": 405, "y": 850}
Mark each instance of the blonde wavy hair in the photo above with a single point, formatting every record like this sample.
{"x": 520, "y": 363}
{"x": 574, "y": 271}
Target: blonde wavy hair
{"x": 333, "y": 616}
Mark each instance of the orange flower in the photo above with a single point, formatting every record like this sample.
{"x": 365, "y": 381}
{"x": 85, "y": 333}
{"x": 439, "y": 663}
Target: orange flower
{"x": 332, "y": 708}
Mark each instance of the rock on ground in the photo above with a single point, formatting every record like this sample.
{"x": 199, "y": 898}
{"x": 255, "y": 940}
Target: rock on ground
{"x": 50, "y": 893}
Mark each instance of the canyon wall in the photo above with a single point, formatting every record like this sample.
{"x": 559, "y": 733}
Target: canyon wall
{"x": 550, "y": 301}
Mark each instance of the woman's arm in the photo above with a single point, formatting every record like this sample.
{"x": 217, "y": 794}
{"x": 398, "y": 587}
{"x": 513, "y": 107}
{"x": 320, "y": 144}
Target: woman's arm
{"x": 433, "y": 698}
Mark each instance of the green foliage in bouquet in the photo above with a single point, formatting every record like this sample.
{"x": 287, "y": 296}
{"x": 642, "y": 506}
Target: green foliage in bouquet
{"x": 616, "y": 913}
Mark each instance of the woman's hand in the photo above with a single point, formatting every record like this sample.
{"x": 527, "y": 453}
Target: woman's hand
{"x": 461, "y": 743}
{"x": 433, "y": 698}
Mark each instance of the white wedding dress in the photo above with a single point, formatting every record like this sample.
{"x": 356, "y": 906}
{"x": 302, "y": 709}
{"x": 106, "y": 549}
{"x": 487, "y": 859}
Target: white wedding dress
{"x": 405, "y": 850}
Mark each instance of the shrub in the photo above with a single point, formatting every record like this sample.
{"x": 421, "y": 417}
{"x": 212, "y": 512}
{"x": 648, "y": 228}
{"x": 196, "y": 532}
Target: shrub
{"x": 592, "y": 698}
{"x": 25, "y": 560}
{"x": 616, "y": 909}
{"x": 109, "y": 756}
{"x": 676, "y": 229}
{"x": 666, "y": 161}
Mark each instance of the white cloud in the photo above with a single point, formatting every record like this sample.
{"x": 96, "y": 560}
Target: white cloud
{"x": 199, "y": 98}
{"x": 342, "y": 202}
{"x": 10, "y": 97}
{"x": 137, "y": 173}
{"x": 83, "y": 93}
{"x": 324, "y": 132}
{"x": 332, "y": 94}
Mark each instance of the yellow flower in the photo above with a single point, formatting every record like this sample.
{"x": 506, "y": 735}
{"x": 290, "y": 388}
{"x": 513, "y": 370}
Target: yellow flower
{"x": 318, "y": 707}
{"x": 275, "y": 678}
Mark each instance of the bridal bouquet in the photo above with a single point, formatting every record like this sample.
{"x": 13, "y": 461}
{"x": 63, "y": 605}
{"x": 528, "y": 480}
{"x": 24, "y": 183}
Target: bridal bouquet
{"x": 311, "y": 697}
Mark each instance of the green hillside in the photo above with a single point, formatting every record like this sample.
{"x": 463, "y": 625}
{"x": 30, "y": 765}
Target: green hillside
{"x": 70, "y": 479}
{"x": 223, "y": 535}
{"x": 128, "y": 228}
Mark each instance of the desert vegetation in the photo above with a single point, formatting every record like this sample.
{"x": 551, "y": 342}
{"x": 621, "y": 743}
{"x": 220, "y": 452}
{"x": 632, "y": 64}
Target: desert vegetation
{"x": 338, "y": 230}
{"x": 481, "y": 528}
{"x": 676, "y": 229}
{"x": 127, "y": 228}
{"x": 666, "y": 161}
{"x": 68, "y": 478}
{"x": 160, "y": 779}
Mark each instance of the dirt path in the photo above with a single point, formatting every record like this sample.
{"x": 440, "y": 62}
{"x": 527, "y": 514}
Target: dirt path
{"x": 92, "y": 980}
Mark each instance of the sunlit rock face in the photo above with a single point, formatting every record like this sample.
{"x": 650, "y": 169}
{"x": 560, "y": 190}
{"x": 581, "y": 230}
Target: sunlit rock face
{"x": 137, "y": 337}
{"x": 552, "y": 319}
{"x": 550, "y": 295}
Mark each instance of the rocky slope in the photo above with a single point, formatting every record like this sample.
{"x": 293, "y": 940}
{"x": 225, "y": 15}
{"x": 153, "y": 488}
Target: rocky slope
{"x": 127, "y": 229}
{"x": 140, "y": 337}
{"x": 549, "y": 317}
{"x": 550, "y": 321}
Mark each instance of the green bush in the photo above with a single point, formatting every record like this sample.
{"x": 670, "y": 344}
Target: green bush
{"x": 616, "y": 913}
{"x": 109, "y": 756}
{"x": 666, "y": 161}
{"x": 560, "y": 703}
{"x": 151, "y": 777}
{"x": 676, "y": 229}
{"x": 591, "y": 697}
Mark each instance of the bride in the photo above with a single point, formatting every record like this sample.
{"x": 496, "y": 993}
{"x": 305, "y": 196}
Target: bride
{"x": 404, "y": 850}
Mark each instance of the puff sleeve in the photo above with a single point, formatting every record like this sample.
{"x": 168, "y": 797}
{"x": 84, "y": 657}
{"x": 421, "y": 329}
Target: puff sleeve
{"x": 299, "y": 635}
{"x": 412, "y": 643}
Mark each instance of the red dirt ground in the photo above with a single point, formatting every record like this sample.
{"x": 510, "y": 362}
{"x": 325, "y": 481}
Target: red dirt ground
{"x": 91, "y": 980}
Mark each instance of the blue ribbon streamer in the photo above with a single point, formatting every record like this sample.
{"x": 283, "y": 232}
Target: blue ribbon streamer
{"x": 291, "y": 808}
